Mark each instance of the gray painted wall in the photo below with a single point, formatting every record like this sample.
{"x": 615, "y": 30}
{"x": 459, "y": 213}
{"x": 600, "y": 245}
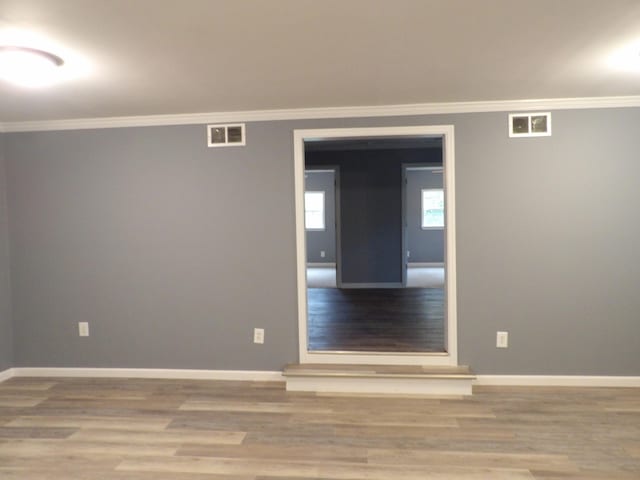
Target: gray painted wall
{"x": 323, "y": 240}
{"x": 150, "y": 237}
{"x": 425, "y": 246}
{"x": 6, "y": 331}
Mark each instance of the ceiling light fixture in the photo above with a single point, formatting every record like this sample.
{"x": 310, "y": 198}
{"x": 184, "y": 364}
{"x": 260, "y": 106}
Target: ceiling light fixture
{"x": 28, "y": 67}
{"x": 625, "y": 58}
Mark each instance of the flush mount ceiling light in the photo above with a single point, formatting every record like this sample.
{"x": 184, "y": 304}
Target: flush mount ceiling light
{"x": 28, "y": 67}
{"x": 626, "y": 58}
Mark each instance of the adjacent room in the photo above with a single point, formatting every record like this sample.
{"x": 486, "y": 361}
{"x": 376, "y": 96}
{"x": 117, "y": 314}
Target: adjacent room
{"x": 365, "y": 291}
{"x": 293, "y": 239}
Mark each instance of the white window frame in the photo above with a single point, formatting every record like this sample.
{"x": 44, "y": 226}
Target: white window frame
{"x": 324, "y": 211}
{"x": 436, "y": 227}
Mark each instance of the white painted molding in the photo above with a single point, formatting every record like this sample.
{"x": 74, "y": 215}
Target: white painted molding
{"x": 178, "y": 374}
{"x": 330, "y": 112}
{"x": 557, "y": 381}
{"x": 6, "y": 374}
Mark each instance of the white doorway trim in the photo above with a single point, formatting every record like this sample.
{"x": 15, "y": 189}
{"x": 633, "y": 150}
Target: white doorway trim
{"x": 450, "y": 357}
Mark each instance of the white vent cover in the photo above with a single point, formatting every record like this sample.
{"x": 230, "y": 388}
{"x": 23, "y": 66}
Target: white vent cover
{"x": 225, "y": 135}
{"x": 530, "y": 124}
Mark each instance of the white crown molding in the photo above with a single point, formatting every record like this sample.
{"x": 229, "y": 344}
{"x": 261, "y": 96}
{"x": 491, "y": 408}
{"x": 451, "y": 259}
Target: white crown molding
{"x": 557, "y": 381}
{"x": 6, "y": 374}
{"x": 178, "y": 374}
{"x": 329, "y": 112}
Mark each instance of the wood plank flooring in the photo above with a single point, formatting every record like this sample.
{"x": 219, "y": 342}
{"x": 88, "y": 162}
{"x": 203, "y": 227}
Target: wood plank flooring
{"x": 376, "y": 319}
{"x": 117, "y": 429}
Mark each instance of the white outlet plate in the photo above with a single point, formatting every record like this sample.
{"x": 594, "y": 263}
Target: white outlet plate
{"x": 322, "y": 253}
{"x": 258, "y": 335}
{"x": 83, "y": 329}
{"x": 502, "y": 339}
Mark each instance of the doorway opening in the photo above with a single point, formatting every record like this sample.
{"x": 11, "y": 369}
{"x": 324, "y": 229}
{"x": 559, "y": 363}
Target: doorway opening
{"x": 370, "y": 260}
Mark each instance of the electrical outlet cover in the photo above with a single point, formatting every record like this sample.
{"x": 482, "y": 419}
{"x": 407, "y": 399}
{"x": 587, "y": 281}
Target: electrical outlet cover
{"x": 258, "y": 335}
{"x": 83, "y": 329}
{"x": 502, "y": 339}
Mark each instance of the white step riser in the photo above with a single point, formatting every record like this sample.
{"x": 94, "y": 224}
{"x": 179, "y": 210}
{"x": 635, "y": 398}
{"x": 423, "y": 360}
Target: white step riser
{"x": 402, "y": 386}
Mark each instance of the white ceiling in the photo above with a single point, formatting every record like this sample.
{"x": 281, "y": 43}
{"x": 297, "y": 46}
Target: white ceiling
{"x": 150, "y": 57}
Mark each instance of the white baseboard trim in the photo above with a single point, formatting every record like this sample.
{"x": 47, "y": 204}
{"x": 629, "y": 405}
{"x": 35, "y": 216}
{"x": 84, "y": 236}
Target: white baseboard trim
{"x": 6, "y": 374}
{"x": 425, "y": 264}
{"x": 276, "y": 376}
{"x": 177, "y": 374}
{"x": 321, "y": 265}
{"x": 557, "y": 381}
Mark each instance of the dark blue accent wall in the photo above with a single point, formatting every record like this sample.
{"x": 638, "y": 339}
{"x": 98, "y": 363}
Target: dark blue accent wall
{"x": 370, "y": 222}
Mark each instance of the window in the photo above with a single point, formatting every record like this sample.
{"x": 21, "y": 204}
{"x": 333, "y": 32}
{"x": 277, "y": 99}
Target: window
{"x": 432, "y": 208}
{"x": 314, "y": 210}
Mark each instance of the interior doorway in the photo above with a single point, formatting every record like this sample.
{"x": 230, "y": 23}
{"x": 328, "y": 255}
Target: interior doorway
{"x": 361, "y": 274}
{"x": 363, "y": 295}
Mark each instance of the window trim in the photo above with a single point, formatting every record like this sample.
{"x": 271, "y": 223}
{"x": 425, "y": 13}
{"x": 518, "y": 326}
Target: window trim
{"x": 324, "y": 212}
{"x": 422, "y": 226}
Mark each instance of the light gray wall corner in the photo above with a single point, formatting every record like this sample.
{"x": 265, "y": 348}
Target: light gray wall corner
{"x": 322, "y": 240}
{"x": 6, "y": 327}
{"x": 151, "y": 237}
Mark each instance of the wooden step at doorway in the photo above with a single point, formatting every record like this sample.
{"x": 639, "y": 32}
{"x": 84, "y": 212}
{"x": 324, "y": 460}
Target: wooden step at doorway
{"x": 379, "y": 379}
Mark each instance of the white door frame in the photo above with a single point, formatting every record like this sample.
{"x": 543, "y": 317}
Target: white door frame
{"x": 450, "y": 357}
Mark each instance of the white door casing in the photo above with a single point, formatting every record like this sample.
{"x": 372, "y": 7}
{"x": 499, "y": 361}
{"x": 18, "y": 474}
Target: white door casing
{"x": 450, "y": 357}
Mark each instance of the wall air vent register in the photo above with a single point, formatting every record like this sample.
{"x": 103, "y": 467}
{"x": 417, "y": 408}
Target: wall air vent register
{"x": 226, "y": 135}
{"x": 530, "y": 124}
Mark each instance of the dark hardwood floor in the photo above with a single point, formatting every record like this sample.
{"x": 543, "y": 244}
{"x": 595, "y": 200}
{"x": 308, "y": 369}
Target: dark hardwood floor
{"x": 376, "y": 319}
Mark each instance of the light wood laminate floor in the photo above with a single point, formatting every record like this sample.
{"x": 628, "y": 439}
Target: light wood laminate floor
{"x": 121, "y": 429}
